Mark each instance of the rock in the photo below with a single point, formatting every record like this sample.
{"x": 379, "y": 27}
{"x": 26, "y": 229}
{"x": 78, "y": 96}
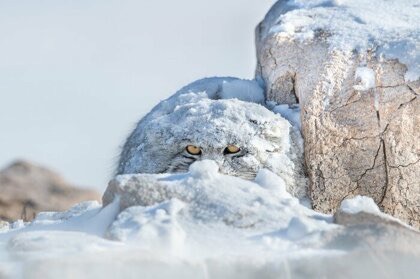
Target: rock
{"x": 362, "y": 210}
{"x": 27, "y": 189}
{"x": 364, "y": 218}
{"x": 377, "y": 233}
{"x": 143, "y": 190}
{"x": 360, "y": 109}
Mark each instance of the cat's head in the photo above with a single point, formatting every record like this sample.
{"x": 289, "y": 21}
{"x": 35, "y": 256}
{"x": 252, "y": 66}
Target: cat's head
{"x": 241, "y": 137}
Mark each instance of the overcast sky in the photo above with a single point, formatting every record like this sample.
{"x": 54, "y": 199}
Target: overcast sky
{"x": 75, "y": 76}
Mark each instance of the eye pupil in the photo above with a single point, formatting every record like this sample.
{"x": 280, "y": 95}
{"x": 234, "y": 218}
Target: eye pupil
{"x": 193, "y": 150}
{"x": 231, "y": 149}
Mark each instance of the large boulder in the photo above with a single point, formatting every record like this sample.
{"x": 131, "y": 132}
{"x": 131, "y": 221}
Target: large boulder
{"x": 357, "y": 82}
{"x": 27, "y": 189}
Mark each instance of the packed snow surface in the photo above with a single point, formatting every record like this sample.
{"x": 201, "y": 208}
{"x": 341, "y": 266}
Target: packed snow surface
{"x": 200, "y": 224}
{"x": 390, "y": 28}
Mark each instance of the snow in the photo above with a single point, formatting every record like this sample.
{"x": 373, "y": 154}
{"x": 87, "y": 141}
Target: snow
{"x": 389, "y": 28}
{"x": 152, "y": 227}
{"x": 289, "y": 112}
{"x": 359, "y": 204}
{"x": 201, "y": 224}
{"x": 365, "y": 78}
{"x": 244, "y": 90}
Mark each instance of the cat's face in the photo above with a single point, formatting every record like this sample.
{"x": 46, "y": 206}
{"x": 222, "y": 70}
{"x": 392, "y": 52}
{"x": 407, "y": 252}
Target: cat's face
{"x": 240, "y": 137}
{"x": 231, "y": 159}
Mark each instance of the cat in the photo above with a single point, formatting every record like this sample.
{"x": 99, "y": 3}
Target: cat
{"x": 240, "y": 134}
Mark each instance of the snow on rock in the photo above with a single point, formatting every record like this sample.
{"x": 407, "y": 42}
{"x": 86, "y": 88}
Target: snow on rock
{"x": 358, "y": 204}
{"x": 365, "y": 78}
{"x": 353, "y": 69}
{"x": 391, "y": 27}
{"x": 212, "y": 197}
{"x": 203, "y": 224}
{"x": 363, "y": 210}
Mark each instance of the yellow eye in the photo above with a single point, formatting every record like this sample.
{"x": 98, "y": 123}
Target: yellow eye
{"x": 193, "y": 150}
{"x": 231, "y": 149}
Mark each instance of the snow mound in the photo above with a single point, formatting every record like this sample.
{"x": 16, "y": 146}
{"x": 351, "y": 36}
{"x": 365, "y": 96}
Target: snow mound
{"x": 391, "y": 28}
{"x": 358, "y": 204}
{"x": 212, "y": 198}
{"x": 201, "y": 224}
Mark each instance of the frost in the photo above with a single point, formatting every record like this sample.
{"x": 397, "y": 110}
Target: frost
{"x": 365, "y": 77}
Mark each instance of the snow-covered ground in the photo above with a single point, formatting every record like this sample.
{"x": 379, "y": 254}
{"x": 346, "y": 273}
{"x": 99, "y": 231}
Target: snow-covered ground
{"x": 200, "y": 224}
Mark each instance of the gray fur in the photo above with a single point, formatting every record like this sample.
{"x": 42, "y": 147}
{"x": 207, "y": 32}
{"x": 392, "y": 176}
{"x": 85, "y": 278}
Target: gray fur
{"x": 196, "y": 116}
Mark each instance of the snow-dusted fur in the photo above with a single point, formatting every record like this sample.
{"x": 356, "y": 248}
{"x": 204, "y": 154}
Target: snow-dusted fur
{"x": 198, "y": 115}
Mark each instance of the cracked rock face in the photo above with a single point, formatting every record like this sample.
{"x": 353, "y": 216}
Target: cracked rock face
{"x": 360, "y": 119}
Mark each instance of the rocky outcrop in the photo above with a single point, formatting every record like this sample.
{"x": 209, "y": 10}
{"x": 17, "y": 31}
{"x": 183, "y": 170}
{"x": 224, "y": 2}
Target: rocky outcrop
{"x": 375, "y": 233}
{"x": 26, "y": 189}
{"x": 360, "y": 114}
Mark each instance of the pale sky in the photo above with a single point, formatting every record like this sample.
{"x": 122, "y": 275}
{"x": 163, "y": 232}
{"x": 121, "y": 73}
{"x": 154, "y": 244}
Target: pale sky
{"x": 75, "y": 76}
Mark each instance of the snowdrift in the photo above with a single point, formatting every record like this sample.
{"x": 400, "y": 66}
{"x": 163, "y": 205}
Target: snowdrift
{"x": 203, "y": 224}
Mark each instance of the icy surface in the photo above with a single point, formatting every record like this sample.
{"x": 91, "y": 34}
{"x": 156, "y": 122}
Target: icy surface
{"x": 200, "y": 224}
{"x": 391, "y": 28}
